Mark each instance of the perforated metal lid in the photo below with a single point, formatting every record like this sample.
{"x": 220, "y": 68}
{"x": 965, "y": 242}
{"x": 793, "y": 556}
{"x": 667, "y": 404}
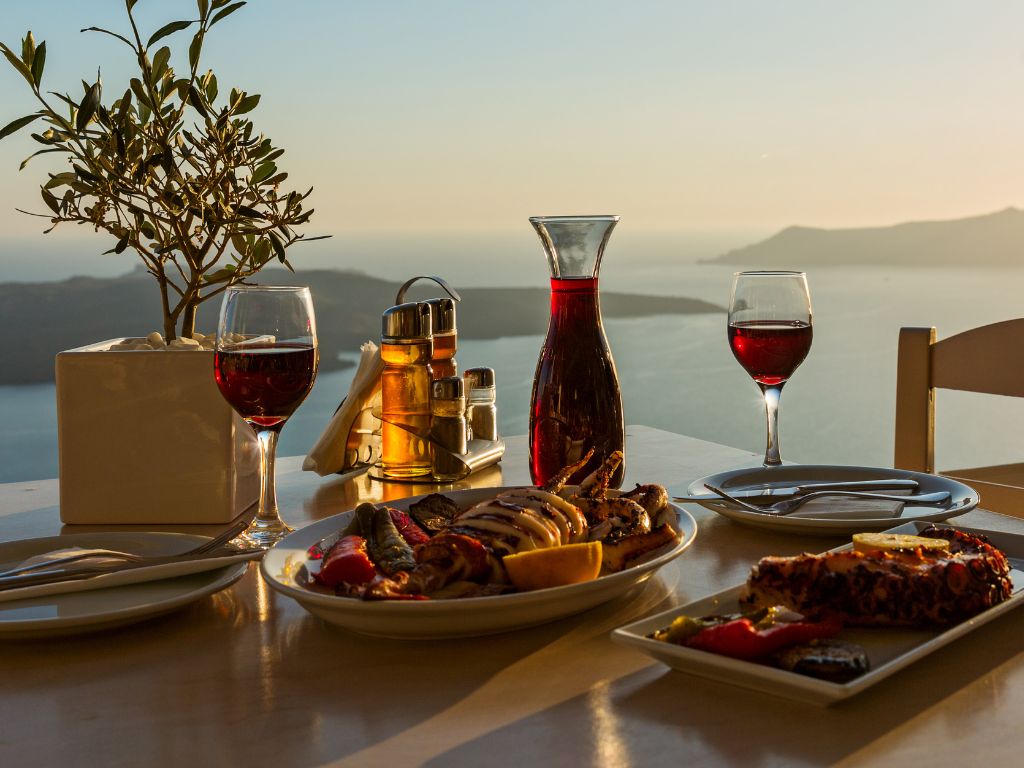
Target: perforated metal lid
{"x": 443, "y": 317}
{"x": 478, "y": 377}
{"x": 407, "y": 322}
{"x": 449, "y": 388}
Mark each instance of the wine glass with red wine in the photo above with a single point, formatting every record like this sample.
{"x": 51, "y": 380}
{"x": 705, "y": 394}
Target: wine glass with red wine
{"x": 770, "y": 335}
{"x": 265, "y": 363}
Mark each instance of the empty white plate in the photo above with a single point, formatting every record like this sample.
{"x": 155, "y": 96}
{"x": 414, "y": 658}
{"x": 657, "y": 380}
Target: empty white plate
{"x": 964, "y": 498}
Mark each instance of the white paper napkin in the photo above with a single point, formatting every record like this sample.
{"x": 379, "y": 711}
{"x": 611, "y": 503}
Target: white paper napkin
{"x": 329, "y": 453}
{"x": 849, "y": 509}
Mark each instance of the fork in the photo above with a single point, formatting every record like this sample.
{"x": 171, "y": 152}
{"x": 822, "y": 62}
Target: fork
{"x": 240, "y": 524}
{"x": 780, "y": 508}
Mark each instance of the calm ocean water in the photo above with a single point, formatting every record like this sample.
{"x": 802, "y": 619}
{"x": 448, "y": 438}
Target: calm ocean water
{"x": 677, "y": 372}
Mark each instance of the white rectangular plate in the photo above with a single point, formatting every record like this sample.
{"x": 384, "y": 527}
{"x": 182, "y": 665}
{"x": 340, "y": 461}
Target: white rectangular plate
{"x": 888, "y": 650}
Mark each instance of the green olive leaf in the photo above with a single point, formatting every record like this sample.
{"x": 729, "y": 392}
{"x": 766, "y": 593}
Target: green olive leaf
{"x": 38, "y": 62}
{"x": 28, "y": 48}
{"x": 87, "y": 108}
{"x": 169, "y": 29}
{"x": 264, "y": 171}
{"x": 225, "y": 12}
{"x": 17, "y": 125}
{"x": 247, "y": 104}
{"x": 160, "y": 59}
{"x": 50, "y": 201}
{"x": 278, "y": 243}
{"x": 196, "y": 101}
{"x": 195, "y": 49}
{"x": 18, "y": 64}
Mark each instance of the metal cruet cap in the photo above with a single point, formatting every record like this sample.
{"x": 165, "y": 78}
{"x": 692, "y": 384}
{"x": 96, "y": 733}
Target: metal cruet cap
{"x": 478, "y": 377}
{"x": 449, "y": 388}
{"x": 443, "y": 318}
{"x": 407, "y": 322}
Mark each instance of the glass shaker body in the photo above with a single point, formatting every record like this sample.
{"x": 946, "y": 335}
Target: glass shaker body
{"x": 442, "y": 363}
{"x": 481, "y": 411}
{"x": 442, "y": 323}
{"x": 448, "y": 437}
{"x": 406, "y": 349}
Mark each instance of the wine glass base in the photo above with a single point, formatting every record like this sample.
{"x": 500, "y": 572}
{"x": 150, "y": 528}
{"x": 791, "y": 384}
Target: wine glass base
{"x": 263, "y": 533}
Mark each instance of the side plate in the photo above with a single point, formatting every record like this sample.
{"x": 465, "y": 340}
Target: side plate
{"x": 889, "y": 650}
{"x": 964, "y": 498}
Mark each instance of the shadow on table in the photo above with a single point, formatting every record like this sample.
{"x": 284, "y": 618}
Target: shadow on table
{"x": 247, "y": 656}
{"x": 660, "y": 717}
{"x": 441, "y": 675}
{"x": 347, "y": 491}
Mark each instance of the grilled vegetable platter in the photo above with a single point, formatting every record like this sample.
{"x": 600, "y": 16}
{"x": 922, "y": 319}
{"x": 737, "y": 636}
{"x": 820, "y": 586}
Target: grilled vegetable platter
{"x": 478, "y": 561}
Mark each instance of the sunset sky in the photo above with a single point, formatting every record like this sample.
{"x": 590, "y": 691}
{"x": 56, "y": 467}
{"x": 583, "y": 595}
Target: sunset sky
{"x": 448, "y": 116}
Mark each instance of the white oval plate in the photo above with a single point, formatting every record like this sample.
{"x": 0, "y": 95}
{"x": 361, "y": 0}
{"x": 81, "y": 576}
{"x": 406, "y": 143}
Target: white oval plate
{"x": 76, "y": 612}
{"x": 964, "y": 498}
{"x": 464, "y": 617}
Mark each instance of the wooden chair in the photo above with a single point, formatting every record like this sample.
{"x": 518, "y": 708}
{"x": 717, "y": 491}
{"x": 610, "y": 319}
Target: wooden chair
{"x": 985, "y": 360}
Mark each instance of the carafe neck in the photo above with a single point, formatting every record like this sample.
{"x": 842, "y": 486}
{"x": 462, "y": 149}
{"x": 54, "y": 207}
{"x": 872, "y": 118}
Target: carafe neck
{"x": 574, "y": 245}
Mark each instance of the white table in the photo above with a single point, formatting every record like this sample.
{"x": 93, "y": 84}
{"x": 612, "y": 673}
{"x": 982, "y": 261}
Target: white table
{"x": 248, "y": 677}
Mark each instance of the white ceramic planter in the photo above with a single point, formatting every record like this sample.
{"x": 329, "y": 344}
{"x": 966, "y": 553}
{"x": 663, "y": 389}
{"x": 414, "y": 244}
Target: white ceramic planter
{"x": 145, "y": 437}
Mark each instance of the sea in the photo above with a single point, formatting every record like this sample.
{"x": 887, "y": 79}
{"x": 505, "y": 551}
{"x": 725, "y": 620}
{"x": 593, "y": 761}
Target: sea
{"x": 676, "y": 371}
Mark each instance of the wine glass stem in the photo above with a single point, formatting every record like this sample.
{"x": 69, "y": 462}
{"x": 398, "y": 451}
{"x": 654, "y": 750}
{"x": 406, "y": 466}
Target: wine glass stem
{"x": 772, "y": 393}
{"x": 268, "y": 513}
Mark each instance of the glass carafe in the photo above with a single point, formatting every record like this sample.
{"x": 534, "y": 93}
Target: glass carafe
{"x": 576, "y": 403}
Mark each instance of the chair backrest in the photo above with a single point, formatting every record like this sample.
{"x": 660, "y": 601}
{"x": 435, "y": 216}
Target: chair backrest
{"x": 982, "y": 360}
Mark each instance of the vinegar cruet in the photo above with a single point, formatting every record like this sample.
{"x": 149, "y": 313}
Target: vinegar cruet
{"x": 576, "y": 404}
{"x": 406, "y": 348}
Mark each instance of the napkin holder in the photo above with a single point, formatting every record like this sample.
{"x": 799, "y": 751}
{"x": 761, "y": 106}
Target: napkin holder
{"x": 362, "y": 445}
{"x": 357, "y": 423}
{"x": 479, "y": 454}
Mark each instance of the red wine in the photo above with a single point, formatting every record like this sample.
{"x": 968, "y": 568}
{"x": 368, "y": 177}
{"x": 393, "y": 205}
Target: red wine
{"x": 265, "y": 383}
{"x": 770, "y": 351}
{"x": 576, "y": 403}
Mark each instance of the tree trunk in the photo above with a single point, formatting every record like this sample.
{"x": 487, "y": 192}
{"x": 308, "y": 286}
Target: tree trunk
{"x": 188, "y": 319}
{"x": 170, "y": 319}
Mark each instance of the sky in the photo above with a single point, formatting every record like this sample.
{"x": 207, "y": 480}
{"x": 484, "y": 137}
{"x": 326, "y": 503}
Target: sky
{"x": 464, "y": 118}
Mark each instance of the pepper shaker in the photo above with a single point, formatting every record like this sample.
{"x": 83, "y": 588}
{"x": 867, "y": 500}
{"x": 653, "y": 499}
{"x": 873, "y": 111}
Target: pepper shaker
{"x": 481, "y": 411}
{"x": 447, "y": 428}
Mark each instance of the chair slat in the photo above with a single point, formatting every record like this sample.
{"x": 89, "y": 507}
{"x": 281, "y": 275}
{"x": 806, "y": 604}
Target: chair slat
{"x": 986, "y": 359}
{"x": 915, "y": 401}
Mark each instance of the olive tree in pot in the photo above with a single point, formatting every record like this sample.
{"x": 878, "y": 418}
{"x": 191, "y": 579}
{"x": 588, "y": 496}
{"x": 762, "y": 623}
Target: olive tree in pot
{"x": 174, "y": 170}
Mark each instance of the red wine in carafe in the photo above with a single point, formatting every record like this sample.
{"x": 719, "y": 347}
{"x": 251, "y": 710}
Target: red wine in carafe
{"x": 576, "y": 402}
{"x": 770, "y": 351}
{"x": 265, "y": 383}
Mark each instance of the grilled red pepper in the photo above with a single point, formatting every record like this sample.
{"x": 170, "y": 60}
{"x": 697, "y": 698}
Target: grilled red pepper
{"x": 406, "y": 526}
{"x": 740, "y": 639}
{"x": 346, "y": 562}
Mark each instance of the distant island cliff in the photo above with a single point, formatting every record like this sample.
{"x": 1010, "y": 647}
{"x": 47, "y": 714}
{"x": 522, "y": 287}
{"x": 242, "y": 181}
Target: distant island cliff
{"x": 995, "y": 239}
{"x": 51, "y": 317}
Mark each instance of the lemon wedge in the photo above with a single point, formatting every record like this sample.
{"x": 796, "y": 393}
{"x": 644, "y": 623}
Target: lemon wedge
{"x": 554, "y": 567}
{"x": 898, "y": 542}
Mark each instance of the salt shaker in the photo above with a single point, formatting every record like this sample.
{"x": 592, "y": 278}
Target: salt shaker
{"x": 447, "y": 427}
{"x": 481, "y": 411}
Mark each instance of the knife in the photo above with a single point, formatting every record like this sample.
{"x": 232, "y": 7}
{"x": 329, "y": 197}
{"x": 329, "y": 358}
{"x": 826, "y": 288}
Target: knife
{"x": 784, "y": 492}
{"x": 59, "y": 575}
